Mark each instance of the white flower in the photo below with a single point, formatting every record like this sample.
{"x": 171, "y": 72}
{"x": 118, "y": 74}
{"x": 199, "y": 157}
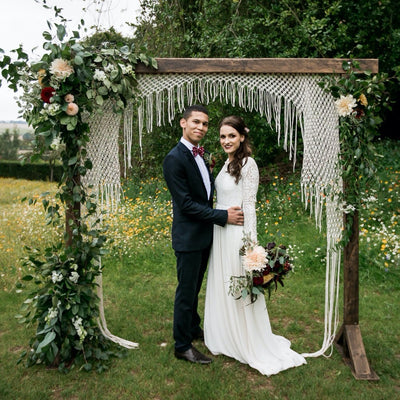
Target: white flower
{"x": 77, "y": 322}
{"x": 109, "y": 68}
{"x": 99, "y": 75}
{"x": 74, "y": 277}
{"x": 345, "y": 105}
{"x": 56, "y": 276}
{"x": 61, "y": 69}
{"x": 347, "y": 208}
{"x": 51, "y": 313}
{"x": 255, "y": 259}
{"x": 50, "y": 109}
{"x": 126, "y": 69}
{"x": 55, "y": 145}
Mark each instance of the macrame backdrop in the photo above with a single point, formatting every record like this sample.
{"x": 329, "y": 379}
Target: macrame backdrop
{"x": 288, "y": 101}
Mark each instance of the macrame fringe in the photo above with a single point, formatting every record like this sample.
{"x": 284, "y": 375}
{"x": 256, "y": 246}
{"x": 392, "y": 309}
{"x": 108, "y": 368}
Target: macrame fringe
{"x": 291, "y": 103}
{"x": 104, "y": 178}
{"x": 128, "y": 137}
{"x": 101, "y": 321}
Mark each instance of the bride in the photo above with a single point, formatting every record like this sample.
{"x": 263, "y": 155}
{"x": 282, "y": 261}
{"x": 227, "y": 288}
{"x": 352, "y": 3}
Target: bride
{"x": 238, "y": 328}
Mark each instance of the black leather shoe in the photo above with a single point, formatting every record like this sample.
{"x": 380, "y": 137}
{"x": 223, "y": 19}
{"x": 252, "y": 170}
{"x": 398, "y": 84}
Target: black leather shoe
{"x": 199, "y": 335}
{"x": 193, "y": 355}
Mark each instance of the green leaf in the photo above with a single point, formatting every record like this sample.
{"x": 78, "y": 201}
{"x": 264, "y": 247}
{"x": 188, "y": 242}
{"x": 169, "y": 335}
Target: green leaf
{"x": 46, "y": 341}
{"x": 154, "y": 63}
{"x": 99, "y": 100}
{"x": 124, "y": 50}
{"x": 78, "y": 60}
{"x": 255, "y": 290}
{"x": 114, "y": 74}
{"x": 73, "y": 160}
{"x": 61, "y": 32}
{"x": 47, "y": 35}
{"x": 103, "y": 90}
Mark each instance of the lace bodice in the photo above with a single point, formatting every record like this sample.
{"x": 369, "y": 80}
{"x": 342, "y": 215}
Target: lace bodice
{"x": 243, "y": 194}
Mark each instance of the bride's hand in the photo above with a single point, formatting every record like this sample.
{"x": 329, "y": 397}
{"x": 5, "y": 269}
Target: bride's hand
{"x": 235, "y": 216}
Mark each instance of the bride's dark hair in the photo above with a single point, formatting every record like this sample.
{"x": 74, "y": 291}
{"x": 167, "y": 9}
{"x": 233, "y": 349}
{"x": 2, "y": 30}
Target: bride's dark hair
{"x": 244, "y": 150}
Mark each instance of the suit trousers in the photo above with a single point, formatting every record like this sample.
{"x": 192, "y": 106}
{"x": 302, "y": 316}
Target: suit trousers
{"x": 191, "y": 267}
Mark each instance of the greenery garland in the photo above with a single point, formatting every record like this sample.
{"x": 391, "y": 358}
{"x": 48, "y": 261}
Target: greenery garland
{"x": 68, "y": 84}
{"x": 360, "y": 99}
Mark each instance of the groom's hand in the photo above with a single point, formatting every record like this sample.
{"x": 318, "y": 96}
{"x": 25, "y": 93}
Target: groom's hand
{"x": 235, "y": 216}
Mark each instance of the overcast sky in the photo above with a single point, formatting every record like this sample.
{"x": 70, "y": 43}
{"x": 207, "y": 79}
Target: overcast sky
{"x": 23, "y": 21}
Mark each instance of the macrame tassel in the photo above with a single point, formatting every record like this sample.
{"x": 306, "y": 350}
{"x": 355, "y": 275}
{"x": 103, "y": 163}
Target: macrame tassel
{"x": 102, "y": 320}
{"x": 332, "y": 279}
{"x": 128, "y": 135}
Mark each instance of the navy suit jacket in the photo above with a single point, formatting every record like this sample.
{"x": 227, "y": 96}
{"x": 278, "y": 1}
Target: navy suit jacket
{"x": 193, "y": 215}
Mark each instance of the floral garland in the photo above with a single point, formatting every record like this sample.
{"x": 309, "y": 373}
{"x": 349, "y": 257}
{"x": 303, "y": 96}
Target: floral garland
{"x": 360, "y": 100}
{"x": 69, "y": 83}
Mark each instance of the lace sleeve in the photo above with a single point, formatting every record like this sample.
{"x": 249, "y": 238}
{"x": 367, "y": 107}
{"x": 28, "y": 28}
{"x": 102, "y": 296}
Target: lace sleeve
{"x": 250, "y": 178}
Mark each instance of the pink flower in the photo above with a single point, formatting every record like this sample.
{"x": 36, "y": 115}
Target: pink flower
{"x": 47, "y": 93}
{"x": 61, "y": 69}
{"x": 72, "y": 109}
{"x": 69, "y": 98}
{"x": 255, "y": 259}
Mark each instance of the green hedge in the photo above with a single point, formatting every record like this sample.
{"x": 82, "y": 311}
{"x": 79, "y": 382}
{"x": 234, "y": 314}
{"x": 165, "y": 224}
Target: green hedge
{"x": 33, "y": 172}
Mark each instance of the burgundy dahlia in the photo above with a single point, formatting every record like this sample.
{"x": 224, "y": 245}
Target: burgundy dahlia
{"x": 47, "y": 93}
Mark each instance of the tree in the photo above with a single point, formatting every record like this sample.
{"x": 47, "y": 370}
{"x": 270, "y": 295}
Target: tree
{"x": 9, "y": 144}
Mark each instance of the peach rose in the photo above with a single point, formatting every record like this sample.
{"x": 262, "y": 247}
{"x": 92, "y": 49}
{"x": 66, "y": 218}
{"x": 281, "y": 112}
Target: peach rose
{"x": 72, "y": 109}
{"x": 69, "y": 98}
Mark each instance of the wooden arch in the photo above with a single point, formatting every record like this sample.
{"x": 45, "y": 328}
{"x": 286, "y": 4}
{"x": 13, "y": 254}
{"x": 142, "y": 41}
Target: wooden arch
{"x": 349, "y": 340}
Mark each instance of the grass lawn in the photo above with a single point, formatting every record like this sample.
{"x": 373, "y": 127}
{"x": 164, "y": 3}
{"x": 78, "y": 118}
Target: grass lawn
{"x": 139, "y": 283}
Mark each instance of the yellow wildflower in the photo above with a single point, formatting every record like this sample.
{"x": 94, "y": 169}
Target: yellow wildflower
{"x": 363, "y": 100}
{"x": 41, "y": 75}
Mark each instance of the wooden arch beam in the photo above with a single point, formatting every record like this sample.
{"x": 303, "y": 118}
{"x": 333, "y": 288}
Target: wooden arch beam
{"x": 254, "y": 65}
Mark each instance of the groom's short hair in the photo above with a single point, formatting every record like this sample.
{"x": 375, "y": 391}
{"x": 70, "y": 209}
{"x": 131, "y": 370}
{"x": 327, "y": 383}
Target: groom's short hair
{"x": 195, "y": 107}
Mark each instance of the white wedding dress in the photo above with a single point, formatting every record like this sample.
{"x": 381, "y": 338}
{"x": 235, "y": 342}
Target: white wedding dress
{"x": 233, "y": 327}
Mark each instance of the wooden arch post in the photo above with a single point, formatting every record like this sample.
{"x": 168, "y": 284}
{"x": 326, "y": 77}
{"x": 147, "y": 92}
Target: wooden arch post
{"x": 349, "y": 340}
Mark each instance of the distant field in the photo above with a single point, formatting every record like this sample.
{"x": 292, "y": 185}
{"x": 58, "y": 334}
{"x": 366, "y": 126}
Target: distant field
{"x": 11, "y": 125}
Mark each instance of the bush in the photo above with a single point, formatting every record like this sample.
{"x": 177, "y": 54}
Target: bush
{"x": 30, "y": 171}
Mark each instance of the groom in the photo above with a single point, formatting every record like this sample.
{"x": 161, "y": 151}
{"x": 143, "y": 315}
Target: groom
{"x": 191, "y": 185}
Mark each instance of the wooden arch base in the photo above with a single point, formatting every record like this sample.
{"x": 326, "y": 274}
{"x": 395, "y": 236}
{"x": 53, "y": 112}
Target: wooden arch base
{"x": 349, "y": 344}
{"x": 348, "y": 341}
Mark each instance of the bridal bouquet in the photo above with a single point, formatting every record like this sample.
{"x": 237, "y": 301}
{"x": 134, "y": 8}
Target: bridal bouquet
{"x": 264, "y": 268}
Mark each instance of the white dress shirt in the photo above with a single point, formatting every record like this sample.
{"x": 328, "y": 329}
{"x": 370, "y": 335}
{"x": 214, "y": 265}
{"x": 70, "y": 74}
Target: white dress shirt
{"x": 202, "y": 166}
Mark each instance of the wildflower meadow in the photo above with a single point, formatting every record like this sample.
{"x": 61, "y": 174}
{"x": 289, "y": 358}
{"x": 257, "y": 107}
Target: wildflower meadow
{"x": 139, "y": 283}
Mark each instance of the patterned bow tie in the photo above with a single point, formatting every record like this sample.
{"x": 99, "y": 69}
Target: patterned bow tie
{"x": 198, "y": 150}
